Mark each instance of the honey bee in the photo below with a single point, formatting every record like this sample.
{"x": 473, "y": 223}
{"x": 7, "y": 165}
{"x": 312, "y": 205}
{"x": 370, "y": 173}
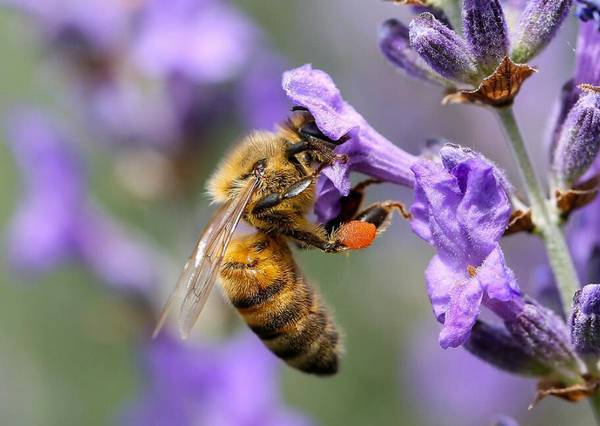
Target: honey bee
{"x": 268, "y": 180}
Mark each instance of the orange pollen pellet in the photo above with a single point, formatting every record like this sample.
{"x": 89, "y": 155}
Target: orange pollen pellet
{"x": 357, "y": 234}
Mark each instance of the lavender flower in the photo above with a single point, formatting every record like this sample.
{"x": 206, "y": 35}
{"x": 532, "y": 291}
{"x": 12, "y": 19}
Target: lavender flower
{"x": 56, "y": 220}
{"x": 579, "y": 140}
{"x": 394, "y": 43}
{"x": 587, "y": 71}
{"x": 463, "y": 211}
{"x": 585, "y": 323}
{"x": 442, "y": 49}
{"x": 539, "y": 23}
{"x": 368, "y": 152}
{"x": 542, "y": 334}
{"x": 496, "y": 346}
{"x": 233, "y": 384}
{"x": 480, "y": 64}
{"x": 486, "y": 32}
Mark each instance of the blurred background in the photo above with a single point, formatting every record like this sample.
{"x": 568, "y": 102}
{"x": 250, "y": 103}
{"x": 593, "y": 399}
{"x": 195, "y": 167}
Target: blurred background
{"x": 113, "y": 114}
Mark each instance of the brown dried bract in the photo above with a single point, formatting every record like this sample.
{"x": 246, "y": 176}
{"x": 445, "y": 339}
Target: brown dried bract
{"x": 573, "y": 393}
{"x": 497, "y": 90}
{"x": 589, "y": 88}
{"x": 577, "y": 197}
{"x": 520, "y": 221}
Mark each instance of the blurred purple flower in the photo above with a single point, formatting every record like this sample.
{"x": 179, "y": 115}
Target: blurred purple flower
{"x": 456, "y": 388}
{"x": 584, "y": 238}
{"x": 261, "y": 103}
{"x": 56, "y": 219}
{"x": 207, "y": 41}
{"x": 587, "y": 65}
{"x": 92, "y": 28}
{"x": 368, "y": 152}
{"x": 233, "y": 384}
{"x": 462, "y": 208}
{"x": 128, "y": 114}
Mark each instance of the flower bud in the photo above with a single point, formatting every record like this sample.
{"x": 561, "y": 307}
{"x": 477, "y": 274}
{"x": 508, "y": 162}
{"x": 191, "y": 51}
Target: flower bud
{"x": 395, "y": 45}
{"x": 486, "y": 32}
{"x": 442, "y": 49}
{"x": 538, "y": 25}
{"x": 543, "y": 335}
{"x": 585, "y": 322}
{"x": 497, "y": 347}
{"x": 579, "y": 139}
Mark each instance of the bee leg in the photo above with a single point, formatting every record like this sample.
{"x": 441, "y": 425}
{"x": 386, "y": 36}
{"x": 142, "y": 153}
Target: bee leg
{"x": 350, "y": 205}
{"x": 379, "y": 214}
{"x": 273, "y": 199}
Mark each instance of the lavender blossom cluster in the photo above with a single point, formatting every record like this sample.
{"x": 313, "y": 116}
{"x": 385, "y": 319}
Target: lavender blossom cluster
{"x": 464, "y": 204}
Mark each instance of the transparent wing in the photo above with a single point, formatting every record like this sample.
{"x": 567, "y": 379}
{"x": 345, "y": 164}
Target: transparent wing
{"x": 200, "y": 272}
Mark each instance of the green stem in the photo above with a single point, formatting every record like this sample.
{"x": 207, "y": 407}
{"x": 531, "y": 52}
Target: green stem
{"x": 595, "y": 403}
{"x": 544, "y": 213}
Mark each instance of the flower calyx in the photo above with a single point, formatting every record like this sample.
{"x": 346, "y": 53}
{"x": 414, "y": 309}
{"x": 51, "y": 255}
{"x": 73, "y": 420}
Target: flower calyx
{"x": 497, "y": 90}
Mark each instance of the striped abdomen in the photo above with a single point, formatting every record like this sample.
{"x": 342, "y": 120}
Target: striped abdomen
{"x": 261, "y": 280}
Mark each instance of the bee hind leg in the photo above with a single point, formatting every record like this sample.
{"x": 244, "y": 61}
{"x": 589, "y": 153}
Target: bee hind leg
{"x": 379, "y": 214}
{"x": 360, "y": 232}
{"x": 350, "y": 205}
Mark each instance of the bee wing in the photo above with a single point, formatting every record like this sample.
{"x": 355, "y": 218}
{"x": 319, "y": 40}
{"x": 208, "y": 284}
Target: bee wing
{"x": 200, "y": 272}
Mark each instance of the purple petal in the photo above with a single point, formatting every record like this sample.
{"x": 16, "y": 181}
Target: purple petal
{"x": 438, "y": 190}
{"x": 368, "y": 152}
{"x": 497, "y": 279}
{"x": 587, "y": 65}
{"x": 465, "y": 301}
{"x": 440, "y": 279}
{"x": 314, "y": 89}
{"x": 484, "y": 210}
